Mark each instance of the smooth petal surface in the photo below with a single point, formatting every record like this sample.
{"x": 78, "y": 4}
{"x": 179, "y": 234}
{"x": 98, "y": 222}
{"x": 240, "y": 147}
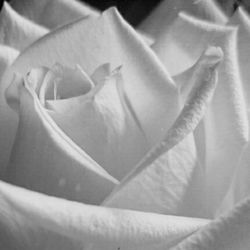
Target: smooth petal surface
{"x": 17, "y": 31}
{"x": 229, "y": 232}
{"x": 103, "y": 125}
{"x": 106, "y": 227}
{"x": 167, "y": 11}
{"x": 151, "y": 92}
{"x": 160, "y": 181}
{"x": 45, "y": 159}
{"x": 53, "y": 13}
{"x": 8, "y": 122}
{"x": 242, "y": 20}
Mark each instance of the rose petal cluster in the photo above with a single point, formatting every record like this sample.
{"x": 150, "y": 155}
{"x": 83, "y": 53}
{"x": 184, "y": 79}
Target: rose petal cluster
{"x": 116, "y": 138}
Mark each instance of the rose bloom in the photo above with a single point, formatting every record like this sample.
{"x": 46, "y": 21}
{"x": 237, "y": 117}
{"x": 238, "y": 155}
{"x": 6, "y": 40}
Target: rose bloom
{"x": 115, "y": 138}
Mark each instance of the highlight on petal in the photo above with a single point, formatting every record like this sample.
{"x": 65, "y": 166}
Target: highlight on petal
{"x": 167, "y": 11}
{"x": 107, "y": 228}
{"x": 44, "y": 159}
{"x": 8, "y": 122}
{"x": 53, "y": 14}
{"x": 146, "y": 83}
{"x": 242, "y": 20}
{"x": 160, "y": 181}
{"x": 17, "y": 31}
{"x": 103, "y": 124}
{"x": 229, "y": 232}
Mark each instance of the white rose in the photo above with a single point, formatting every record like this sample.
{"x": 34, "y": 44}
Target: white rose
{"x": 99, "y": 120}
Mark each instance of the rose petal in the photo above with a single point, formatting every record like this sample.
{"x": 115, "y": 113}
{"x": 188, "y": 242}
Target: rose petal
{"x": 45, "y": 159}
{"x": 226, "y": 126}
{"x": 106, "y": 227}
{"x": 8, "y": 122}
{"x": 185, "y": 80}
{"x": 229, "y": 232}
{"x": 103, "y": 125}
{"x": 17, "y": 231}
{"x": 175, "y": 45}
{"x": 167, "y": 11}
{"x": 222, "y": 136}
{"x": 242, "y": 20}
{"x": 160, "y": 181}
{"x": 53, "y": 13}
{"x": 111, "y": 39}
{"x": 62, "y": 82}
{"x": 149, "y": 40}
{"x": 16, "y": 31}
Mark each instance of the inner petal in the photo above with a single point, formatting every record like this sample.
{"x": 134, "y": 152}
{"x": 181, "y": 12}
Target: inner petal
{"x": 63, "y": 82}
{"x": 104, "y": 125}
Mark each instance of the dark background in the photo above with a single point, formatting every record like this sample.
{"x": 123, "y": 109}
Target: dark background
{"x": 132, "y": 10}
{"x": 136, "y": 10}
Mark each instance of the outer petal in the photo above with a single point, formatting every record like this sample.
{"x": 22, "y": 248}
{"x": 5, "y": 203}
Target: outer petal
{"x": 19, "y": 232}
{"x": 160, "y": 181}
{"x": 111, "y": 39}
{"x": 16, "y": 31}
{"x": 242, "y": 20}
{"x": 223, "y": 134}
{"x": 229, "y": 232}
{"x": 45, "y": 159}
{"x": 53, "y": 13}
{"x": 165, "y": 14}
{"x": 106, "y": 227}
{"x": 8, "y": 119}
{"x": 226, "y": 125}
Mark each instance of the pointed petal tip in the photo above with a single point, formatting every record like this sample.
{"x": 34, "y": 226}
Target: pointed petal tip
{"x": 111, "y": 11}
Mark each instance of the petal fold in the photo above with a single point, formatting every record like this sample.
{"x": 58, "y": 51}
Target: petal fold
{"x": 223, "y": 134}
{"x": 160, "y": 181}
{"x": 104, "y": 125}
